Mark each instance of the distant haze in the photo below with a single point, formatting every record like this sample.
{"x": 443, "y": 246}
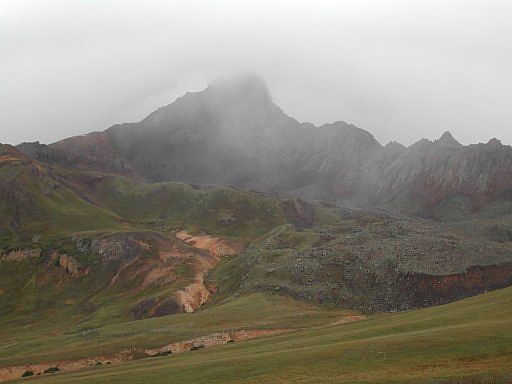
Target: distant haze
{"x": 402, "y": 70}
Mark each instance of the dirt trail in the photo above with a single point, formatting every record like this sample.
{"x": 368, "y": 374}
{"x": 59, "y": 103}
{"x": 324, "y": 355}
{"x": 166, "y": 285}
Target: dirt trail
{"x": 15, "y": 372}
{"x": 196, "y": 294}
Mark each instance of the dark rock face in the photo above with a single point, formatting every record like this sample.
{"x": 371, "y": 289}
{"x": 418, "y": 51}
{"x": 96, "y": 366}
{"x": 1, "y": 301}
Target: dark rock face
{"x": 397, "y": 291}
{"x": 233, "y": 134}
{"x": 168, "y": 307}
{"x": 156, "y": 307}
{"x": 424, "y": 290}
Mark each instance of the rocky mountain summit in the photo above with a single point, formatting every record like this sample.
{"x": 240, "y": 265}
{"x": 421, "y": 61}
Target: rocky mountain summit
{"x": 233, "y": 134}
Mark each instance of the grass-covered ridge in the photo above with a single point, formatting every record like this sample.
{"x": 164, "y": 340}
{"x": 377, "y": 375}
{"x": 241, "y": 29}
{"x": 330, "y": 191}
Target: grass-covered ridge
{"x": 168, "y": 206}
{"x": 36, "y": 207}
{"x": 42, "y": 203}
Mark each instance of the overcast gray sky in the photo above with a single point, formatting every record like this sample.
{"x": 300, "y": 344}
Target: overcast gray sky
{"x": 401, "y": 69}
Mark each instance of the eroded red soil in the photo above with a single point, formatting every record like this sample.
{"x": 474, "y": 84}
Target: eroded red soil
{"x": 196, "y": 294}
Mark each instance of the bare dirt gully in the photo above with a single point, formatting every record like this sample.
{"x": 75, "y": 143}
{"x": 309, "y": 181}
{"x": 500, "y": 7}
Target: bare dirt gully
{"x": 196, "y": 294}
{"x": 191, "y": 298}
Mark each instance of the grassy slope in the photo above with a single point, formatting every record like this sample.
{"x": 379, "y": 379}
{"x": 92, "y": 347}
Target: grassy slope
{"x": 469, "y": 341}
{"x": 34, "y": 203}
{"x": 168, "y": 206}
{"x": 71, "y": 341}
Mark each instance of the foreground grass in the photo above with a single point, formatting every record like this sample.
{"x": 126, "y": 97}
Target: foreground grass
{"x": 257, "y": 311}
{"x": 464, "y": 342}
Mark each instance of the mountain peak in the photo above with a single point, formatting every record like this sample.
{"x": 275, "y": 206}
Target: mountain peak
{"x": 494, "y": 142}
{"x": 252, "y": 86}
{"x": 448, "y": 140}
{"x": 11, "y": 155}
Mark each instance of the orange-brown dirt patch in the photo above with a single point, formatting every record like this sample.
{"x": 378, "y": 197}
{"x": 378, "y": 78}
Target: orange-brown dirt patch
{"x": 158, "y": 260}
{"x": 10, "y": 158}
{"x": 196, "y": 294}
{"x": 217, "y": 246}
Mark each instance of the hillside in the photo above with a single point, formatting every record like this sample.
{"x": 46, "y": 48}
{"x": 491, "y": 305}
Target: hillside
{"x": 96, "y": 249}
{"x": 103, "y": 238}
{"x": 467, "y": 341}
{"x": 37, "y": 207}
{"x": 373, "y": 262}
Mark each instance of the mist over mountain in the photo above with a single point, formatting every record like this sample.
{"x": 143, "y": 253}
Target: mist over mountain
{"x": 232, "y": 133}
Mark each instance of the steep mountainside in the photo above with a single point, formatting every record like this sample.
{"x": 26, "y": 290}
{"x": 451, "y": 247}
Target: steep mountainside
{"x": 233, "y": 134}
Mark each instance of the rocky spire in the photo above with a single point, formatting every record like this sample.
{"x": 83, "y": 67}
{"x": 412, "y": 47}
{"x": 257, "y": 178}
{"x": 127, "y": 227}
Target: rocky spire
{"x": 448, "y": 140}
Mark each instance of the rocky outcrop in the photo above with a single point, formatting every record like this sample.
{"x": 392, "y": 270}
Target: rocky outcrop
{"x": 68, "y": 264}
{"x": 20, "y": 255}
{"x": 218, "y": 338}
{"x": 422, "y": 290}
{"x": 110, "y": 248}
{"x": 399, "y": 291}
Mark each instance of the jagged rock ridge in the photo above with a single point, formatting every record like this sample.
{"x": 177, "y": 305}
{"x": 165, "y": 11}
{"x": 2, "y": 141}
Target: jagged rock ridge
{"x": 232, "y": 133}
